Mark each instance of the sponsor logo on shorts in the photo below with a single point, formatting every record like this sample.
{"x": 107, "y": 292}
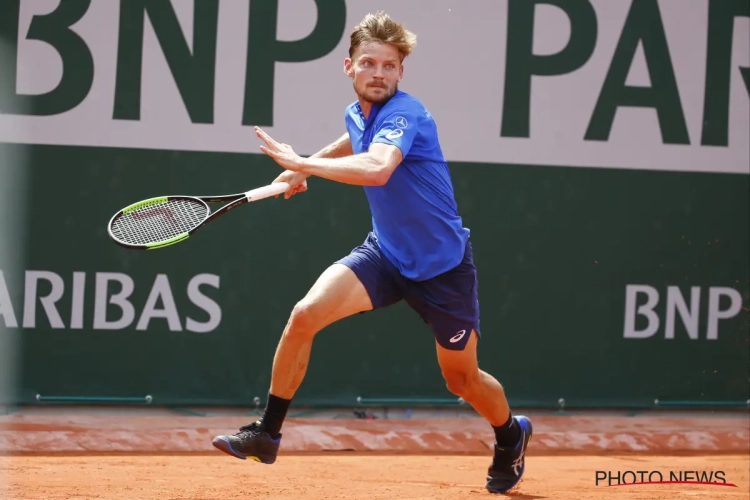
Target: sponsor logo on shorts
{"x": 457, "y": 336}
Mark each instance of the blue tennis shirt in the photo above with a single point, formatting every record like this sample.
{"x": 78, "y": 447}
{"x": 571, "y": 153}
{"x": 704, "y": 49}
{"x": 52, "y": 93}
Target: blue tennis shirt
{"x": 414, "y": 215}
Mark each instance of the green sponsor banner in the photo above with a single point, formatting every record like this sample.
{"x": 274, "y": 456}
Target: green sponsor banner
{"x": 599, "y": 286}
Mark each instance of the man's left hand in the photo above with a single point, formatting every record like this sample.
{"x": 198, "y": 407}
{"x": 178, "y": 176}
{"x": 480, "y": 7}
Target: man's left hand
{"x": 282, "y": 153}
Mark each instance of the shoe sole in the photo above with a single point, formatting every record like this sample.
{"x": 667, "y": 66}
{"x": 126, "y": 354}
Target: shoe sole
{"x": 224, "y": 445}
{"x": 528, "y": 440}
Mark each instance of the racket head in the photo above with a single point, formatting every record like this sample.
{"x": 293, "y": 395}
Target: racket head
{"x": 157, "y": 222}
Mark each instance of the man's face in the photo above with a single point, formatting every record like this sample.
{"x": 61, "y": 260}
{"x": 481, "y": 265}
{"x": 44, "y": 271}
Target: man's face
{"x": 375, "y": 71}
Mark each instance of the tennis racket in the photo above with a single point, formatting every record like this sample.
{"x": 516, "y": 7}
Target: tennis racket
{"x": 163, "y": 221}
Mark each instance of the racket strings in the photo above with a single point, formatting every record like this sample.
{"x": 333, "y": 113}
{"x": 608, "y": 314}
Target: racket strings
{"x": 159, "y": 222}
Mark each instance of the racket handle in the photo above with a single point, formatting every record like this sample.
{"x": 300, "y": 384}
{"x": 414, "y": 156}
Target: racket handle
{"x": 268, "y": 191}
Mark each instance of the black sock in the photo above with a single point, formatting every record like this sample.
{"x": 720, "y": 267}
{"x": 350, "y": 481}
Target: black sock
{"x": 508, "y": 434}
{"x": 275, "y": 414}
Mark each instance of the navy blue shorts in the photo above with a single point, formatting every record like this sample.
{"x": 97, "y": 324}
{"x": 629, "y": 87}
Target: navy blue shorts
{"x": 448, "y": 302}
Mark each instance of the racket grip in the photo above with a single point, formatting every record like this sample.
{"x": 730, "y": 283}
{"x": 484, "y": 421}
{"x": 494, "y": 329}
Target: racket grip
{"x": 268, "y": 191}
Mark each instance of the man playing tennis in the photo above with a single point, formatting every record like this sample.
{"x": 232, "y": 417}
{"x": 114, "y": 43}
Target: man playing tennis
{"x": 418, "y": 250}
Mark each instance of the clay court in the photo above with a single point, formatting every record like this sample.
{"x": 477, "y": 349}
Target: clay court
{"x": 59, "y": 453}
{"x": 352, "y": 476}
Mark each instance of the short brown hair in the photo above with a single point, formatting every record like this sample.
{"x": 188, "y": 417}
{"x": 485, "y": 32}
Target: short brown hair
{"x": 380, "y": 27}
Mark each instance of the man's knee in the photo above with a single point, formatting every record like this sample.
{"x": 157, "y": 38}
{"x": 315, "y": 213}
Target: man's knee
{"x": 461, "y": 382}
{"x": 304, "y": 320}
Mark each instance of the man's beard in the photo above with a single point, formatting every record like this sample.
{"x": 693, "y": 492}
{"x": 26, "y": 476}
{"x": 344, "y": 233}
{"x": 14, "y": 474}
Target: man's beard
{"x": 384, "y": 97}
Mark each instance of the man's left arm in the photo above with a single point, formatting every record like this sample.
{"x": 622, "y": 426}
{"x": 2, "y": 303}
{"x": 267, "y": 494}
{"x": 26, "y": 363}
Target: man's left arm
{"x": 391, "y": 142}
{"x": 372, "y": 168}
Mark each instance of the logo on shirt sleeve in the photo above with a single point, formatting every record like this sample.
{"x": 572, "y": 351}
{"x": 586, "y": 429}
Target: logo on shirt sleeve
{"x": 394, "y": 134}
{"x": 401, "y": 123}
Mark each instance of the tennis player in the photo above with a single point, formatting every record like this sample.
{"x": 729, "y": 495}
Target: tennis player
{"x": 417, "y": 251}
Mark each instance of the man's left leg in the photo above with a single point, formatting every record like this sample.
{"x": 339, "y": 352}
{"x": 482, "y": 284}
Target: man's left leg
{"x": 478, "y": 388}
{"x": 449, "y": 303}
{"x": 485, "y": 394}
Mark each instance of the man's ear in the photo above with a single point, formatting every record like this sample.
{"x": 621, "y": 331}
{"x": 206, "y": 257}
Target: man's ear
{"x": 348, "y": 67}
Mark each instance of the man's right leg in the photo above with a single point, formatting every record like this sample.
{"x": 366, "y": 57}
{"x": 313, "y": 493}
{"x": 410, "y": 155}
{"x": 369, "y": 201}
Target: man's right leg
{"x": 359, "y": 282}
{"x": 336, "y": 294}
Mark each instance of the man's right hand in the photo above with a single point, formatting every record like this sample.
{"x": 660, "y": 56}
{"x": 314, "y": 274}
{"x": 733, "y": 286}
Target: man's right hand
{"x": 296, "y": 181}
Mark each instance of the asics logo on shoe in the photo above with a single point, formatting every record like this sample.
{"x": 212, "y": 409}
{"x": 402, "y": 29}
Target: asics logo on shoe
{"x": 518, "y": 463}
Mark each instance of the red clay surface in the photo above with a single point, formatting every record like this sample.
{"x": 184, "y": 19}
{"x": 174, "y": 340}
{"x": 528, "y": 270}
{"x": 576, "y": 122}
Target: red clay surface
{"x": 76, "y": 454}
{"x": 355, "y": 476}
{"x": 584, "y": 435}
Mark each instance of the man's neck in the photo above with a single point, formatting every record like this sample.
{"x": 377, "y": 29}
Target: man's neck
{"x": 366, "y": 107}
